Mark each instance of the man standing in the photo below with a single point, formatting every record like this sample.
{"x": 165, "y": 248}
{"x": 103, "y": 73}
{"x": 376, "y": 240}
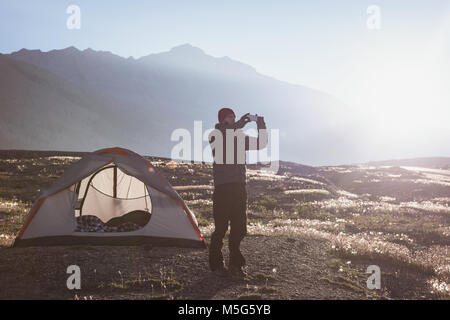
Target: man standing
{"x": 230, "y": 192}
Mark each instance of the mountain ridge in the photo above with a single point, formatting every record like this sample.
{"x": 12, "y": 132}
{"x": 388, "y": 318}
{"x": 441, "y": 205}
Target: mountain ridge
{"x": 174, "y": 88}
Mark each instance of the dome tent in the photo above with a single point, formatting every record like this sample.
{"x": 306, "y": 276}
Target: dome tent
{"x": 106, "y": 186}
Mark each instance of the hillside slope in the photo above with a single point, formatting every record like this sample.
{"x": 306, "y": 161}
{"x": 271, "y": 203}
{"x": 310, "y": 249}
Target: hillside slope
{"x": 172, "y": 89}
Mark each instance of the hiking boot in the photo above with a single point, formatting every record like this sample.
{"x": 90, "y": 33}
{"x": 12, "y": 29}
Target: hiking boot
{"x": 237, "y": 272}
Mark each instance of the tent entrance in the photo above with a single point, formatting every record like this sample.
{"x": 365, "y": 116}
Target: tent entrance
{"x": 112, "y": 201}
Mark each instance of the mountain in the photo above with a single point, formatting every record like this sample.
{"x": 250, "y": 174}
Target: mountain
{"x": 42, "y": 110}
{"x": 430, "y": 162}
{"x": 141, "y": 101}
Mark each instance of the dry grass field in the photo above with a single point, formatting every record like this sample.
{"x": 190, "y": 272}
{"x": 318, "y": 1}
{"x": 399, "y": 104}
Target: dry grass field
{"x": 313, "y": 231}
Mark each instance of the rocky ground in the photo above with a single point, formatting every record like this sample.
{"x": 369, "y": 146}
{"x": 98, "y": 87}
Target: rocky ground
{"x": 313, "y": 231}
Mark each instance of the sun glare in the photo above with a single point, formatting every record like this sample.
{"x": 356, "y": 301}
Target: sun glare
{"x": 403, "y": 98}
{"x": 408, "y": 98}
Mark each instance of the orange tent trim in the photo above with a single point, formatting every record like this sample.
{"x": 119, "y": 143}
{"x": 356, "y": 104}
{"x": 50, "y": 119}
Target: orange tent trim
{"x": 120, "y": 151}
{"x": 190, "y": 219}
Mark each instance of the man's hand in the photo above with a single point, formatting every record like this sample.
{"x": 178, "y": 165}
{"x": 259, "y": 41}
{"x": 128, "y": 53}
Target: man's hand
{"x": 260, "y": 122}
{"x": 242, "y": 121}
{"x": 245, "y": 117}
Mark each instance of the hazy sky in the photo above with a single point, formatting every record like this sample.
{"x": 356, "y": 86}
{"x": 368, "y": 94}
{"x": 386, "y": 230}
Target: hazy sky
{"x": 400, "y": 70}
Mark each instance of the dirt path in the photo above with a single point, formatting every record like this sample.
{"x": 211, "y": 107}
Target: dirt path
{"x": 278, "y": 268}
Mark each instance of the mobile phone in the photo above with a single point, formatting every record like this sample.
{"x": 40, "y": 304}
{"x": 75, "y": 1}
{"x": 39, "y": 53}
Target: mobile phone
{"x": 253, "y": 117}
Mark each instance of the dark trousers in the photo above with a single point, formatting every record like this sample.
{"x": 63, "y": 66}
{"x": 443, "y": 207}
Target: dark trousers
{"x": 229, "y": 207}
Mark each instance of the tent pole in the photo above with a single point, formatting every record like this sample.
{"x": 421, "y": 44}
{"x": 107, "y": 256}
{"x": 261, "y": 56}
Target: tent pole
{"x": 115, "y": 182}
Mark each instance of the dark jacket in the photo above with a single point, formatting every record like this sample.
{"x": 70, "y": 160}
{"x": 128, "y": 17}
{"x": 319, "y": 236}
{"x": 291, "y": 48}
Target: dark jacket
{"x": 234, "y": 170}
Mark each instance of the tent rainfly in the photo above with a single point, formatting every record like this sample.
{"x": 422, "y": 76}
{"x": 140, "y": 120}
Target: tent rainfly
{"x": 110, "y": 197}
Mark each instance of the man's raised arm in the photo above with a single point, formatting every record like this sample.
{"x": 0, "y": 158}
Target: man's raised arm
{"x": 260, "y": 142}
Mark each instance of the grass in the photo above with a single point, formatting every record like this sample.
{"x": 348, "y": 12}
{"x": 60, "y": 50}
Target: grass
{"x": 161, "y": 297}
{"x": 267, "y": 289}
{"x": 252, "y": 296}
{"x": 348, "y": 277}
{"x": 349, "y": 284}
{"x": 267, "y": 201}
{"x": 160, "y": 289}
{"x": 12, "y": 216}
{"x": 262, "y": 277}
{"x": 202, "y": 221}
{"x": 413, "y": 233}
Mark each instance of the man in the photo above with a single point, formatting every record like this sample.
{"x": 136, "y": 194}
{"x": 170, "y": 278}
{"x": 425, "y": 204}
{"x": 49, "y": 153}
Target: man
{"x": 230, "y": 193}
